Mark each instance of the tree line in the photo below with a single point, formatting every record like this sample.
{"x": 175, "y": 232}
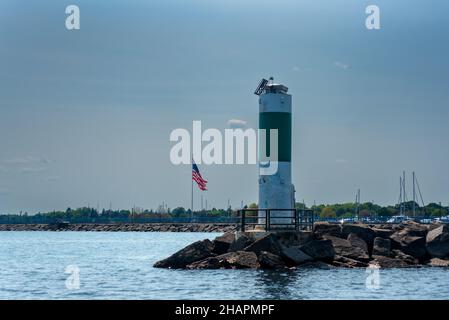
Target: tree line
{"x": 323, "y": 211}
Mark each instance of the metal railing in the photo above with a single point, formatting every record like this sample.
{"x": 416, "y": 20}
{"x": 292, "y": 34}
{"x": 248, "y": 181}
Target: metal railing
{"x": 270, "y": 219}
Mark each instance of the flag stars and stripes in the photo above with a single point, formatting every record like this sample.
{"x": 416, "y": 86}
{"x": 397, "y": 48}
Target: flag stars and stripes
{"x": 196, "y": 176}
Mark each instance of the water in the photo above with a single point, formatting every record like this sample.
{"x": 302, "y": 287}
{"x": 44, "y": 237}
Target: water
{"x": 118, "y": 265}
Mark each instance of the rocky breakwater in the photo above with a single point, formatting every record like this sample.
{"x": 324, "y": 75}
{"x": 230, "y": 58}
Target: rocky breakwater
{"x": 329, "y": 245}
{"x": 123, "y": 227}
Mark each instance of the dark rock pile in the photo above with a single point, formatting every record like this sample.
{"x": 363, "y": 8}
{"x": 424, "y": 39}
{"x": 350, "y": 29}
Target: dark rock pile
{"x": 123, "y": 227}
{"x": 329, "y": 245}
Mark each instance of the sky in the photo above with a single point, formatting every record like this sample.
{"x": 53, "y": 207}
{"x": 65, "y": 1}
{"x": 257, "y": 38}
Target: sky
{"x": 86, "y": 115}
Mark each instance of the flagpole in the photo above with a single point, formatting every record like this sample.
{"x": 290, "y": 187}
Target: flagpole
{"x": 191, "y": 195}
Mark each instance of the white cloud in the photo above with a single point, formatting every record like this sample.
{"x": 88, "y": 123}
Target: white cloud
{"x": 52, "y": 178}
{"x": 341, "y": 65}
{"x": 28, "y": 170}
{"x": 26, "y": 160}
{"x": 237, "y": 124}
{"x": 24, "y": 164}
{"x": 296, "y": 69}
{"x": 341, "y": 161}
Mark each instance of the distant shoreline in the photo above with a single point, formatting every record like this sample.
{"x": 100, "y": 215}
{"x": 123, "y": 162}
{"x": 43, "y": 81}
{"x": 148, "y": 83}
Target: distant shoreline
{"x": 124, "y": 227}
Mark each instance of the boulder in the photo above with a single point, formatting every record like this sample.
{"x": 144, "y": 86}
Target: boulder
{"x": 196, "y": 251}
{"x": 240, "y": 243}
{"x": 223, "y": 242}
{"x": 291, "y": 239}
{"x": 381, "y": 247}
{"x": 437, "y": 262}
{"x": 386, "y": 262}
{"x": 437, "y": 241}
{"x": 326, "y": 228}
{"x": 434, "y": 225}
{"x": 294, "y": 256}
{"x": 398, "y": 254}
{"x": 322, "y": 250}
{"x": 230, "y": 260}
{"x": 208, "y": 263}
{"x": 358, "y": 242}
{"x": 363, "y": 231}
{"x": 267, "y": 243}
{"x": 268, "y": 260}
{"x": 385, "y": 226}
{"x": 340, "y": 261}
{"x": 382, "y": 233}
{"x": 316, "y": 265}
{"x": 409, "y": 244}
{"x": 239, "y": 260}
{"x": 415, "y": 229}
{"x": 347, "y": 249}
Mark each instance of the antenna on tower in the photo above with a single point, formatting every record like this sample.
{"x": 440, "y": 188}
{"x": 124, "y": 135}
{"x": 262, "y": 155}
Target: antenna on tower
{"x": 261, "y": 87}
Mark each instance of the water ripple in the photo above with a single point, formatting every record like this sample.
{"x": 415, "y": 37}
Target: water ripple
{"x": 115, "y": 265}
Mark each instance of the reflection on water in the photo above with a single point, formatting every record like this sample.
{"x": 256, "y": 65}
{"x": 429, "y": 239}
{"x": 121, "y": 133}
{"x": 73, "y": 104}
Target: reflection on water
{"x": 277, "y": 284}
{"x": 118, "y": 265}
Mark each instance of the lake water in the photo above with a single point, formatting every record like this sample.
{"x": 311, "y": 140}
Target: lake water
{"x": 118, "y": 265}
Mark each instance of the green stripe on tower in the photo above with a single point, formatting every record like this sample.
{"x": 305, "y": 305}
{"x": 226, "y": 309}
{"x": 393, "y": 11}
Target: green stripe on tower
{"x": 282, "y": 121}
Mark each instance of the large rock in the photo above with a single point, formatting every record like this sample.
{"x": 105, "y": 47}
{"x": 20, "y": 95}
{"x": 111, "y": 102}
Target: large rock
{"x": 316, "y": 265}
{"x": 326, "y": 228}
{"x": 358, "y": 242}
{"x": 385, "y": 226}
{"x": 340, "y": 261}
{"x": 223, "y": 242}
{"x": 398, "y": 254}
{"x": 437, "y": 262}
{"x": 239, "y": 260}
{"x": 268, "y": 260}
{"x": 386, "y": 262}
{"x": 290, "y": 239}
{"x": 381, "y": 247}
{"x": 434, "y": 225}
{"x": 240, "y": 243}
{"x": 230, "y": 260}
{"x": 295, "y": 256}
{"x": 437, "y": 242}
{"x": 409, "y": 244}
{"x": 322, "y": 250}
{"x": 415, "y": 229}
{"x": 208, "y": 263}
{"x": 350, "y": 250}
{"x": 382, "y": 232}
{"x": 194, "y": 252}
{"x": 363, "y": 231}
{"x": 267, "y": 243}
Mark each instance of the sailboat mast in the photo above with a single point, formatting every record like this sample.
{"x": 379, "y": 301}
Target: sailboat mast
{"x": 400, "y": 195}
{"x": 414, "y": 195}
{"x": 403, "y": 185}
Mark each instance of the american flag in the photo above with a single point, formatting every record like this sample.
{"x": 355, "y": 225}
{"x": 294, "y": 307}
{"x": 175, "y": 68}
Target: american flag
{"x": 196, "y": 176}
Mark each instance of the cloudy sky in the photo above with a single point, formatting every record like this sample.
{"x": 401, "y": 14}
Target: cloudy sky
{"x": 85, "y": 116}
